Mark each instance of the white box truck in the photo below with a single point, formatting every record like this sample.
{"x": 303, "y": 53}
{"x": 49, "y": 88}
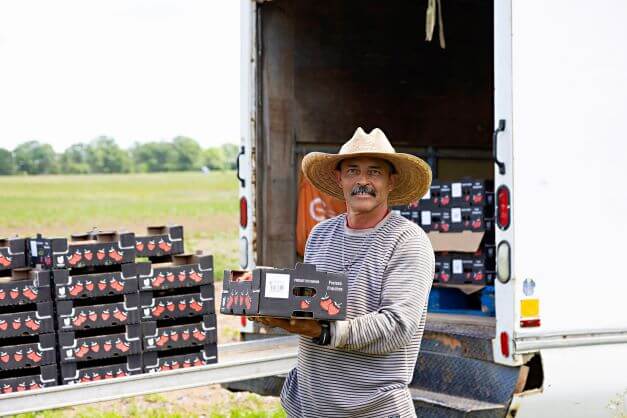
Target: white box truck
{"x": 530, "y": 94}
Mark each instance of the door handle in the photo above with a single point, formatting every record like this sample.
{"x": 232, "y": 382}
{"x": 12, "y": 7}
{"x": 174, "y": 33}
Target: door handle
{"x": 495, "y": 136}
{"x": 242, "y": 182}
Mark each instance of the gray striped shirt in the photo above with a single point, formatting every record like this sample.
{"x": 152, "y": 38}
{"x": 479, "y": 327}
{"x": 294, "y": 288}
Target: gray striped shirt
{"x": 371, "y": 359}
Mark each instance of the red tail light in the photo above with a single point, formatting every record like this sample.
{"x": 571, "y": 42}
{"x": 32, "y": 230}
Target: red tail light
{"x": 242, "y": 320}
{"x": 504, "y": 344}
{"x": 243, "y": 212}
{"x": 503, "y": 207}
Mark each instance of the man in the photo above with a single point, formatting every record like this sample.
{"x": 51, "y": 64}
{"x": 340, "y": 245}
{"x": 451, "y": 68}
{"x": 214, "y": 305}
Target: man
{"x": 361, "y": 367}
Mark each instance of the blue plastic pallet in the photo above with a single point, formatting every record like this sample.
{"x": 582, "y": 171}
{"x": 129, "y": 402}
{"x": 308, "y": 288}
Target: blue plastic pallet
{"x": 454, "y": 301}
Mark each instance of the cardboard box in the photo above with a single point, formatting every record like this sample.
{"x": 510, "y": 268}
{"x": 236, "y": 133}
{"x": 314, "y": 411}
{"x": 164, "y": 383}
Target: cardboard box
{"x": 38, "y": 319}
{"x": 186, "y": 270}
{"x": 12, "y": 253}
{"x": 80, "y": 286}
{"x": 197, "y": 333}
{"x": 431, "y": 199}
{"x": 471, "y": 268}
{"x": 445, "y": 195}
{"x": 302, "y": 292}
{"x": 442, "y": 272}
{"x": 72, "y": 316}
{"x": 25, "y": 286}
{"x": 200, "y": 301}
{"x": 31, "y": 354}
{"x": 461, "y": 268}
{"x": 39, "y": 252}
{"x": 37, "y": 378}
{"x": 160, "y": 241}
{"x": 74, "y": 372}
{"x": 461, "y": 192}
{"x": 73, "y": 347}
{"x": 158, "y": 361}
{"x": 93, "y": 249}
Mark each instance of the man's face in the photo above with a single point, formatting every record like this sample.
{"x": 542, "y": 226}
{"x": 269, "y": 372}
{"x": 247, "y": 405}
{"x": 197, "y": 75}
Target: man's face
{"x": 366, "y": 183}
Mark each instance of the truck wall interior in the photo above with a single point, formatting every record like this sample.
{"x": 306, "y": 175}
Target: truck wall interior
{"x": 328, "y": 67}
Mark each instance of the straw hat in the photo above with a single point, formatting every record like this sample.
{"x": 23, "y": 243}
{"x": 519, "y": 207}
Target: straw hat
{"x": 414, "y": 174}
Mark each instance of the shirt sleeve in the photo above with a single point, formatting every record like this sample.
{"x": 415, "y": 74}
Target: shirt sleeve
{"x": 406, "y": 284}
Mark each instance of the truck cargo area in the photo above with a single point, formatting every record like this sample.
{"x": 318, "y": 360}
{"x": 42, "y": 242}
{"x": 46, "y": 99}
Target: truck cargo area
{"x": 326, "y": 69}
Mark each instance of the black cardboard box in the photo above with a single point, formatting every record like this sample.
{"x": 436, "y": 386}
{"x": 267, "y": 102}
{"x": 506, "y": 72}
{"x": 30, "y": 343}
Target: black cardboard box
{"x": 83, "y": 372}
{"x": 442, "y": 272}
{"x": 186, "y": 270}
{"x": 25, "y": 286}
{"x": 12, "y": 253}
{"x": 93, "y": 249}
{"x": 81, "y": 286}
{"x": 300, "y": 292}
{"x": 198, "y": 301}
{"x": 200, "y": 332}
{"x": 31, "y": 354}
{"x": 36, "y": 378}
{"x": 160, "y": 361}
{"x": 160, "y": 241}
{"x": 72, "y": 316}
{"x": 118, "y": 343}
{"x": 445, "y": 194}
{"x": 471, "y": 268}
{"x": 36, "y": 319}
{"x": 431, "y": 199}
{"x": 461, "y": 268}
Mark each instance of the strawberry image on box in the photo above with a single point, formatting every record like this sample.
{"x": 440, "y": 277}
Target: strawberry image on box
{"x": 302, "y": 292}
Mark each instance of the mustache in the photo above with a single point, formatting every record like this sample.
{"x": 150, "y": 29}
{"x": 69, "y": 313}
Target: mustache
{"x": 363, "y": 189}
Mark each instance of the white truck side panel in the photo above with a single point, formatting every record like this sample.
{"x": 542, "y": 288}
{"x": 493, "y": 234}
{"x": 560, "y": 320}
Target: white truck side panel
{"x": 579, "y": 382}
{"x": 247, "y": 124}
{"x": 570, "y": 161}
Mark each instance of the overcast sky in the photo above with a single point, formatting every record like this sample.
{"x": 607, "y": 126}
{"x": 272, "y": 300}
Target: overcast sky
{"x": 136, "y": 70}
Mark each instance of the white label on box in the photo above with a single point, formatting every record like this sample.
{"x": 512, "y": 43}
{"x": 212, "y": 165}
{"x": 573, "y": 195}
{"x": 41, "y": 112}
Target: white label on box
{"x": 458, "y": 266}
{"x": 456, "y": 215}
{"x": 427, "y": 195}
{"x": 277, "y": 286}
{"x": 33, "y": 248}
{"x": 456, "y": 190}
{"x": 425, "y": 217}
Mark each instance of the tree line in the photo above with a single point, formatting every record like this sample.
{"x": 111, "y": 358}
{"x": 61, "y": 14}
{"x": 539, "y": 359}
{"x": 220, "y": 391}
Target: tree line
{"x": 103, "y": 155}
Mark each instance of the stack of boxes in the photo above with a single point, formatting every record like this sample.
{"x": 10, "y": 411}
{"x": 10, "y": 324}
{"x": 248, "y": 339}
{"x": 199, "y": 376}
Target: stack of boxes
{"x": 177, "y": 306}
{"x": 97, "y": 306}
{"x": 90, "y": 311}
{"x": 27, "y": 332}
{"x": 458, "y": 217}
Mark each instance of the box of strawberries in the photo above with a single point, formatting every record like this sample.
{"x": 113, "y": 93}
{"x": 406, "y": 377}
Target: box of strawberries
{"x": 302, "y": 292}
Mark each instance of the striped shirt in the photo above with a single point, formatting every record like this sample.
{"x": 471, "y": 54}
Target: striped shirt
{"x": 365, "y": 370}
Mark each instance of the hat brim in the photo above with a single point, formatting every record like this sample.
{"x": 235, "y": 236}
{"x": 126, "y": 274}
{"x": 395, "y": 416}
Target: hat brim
{"x": 413, "y": 182}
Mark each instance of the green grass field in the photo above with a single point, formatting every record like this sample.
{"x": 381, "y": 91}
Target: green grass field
{"x": 205, "y": 204}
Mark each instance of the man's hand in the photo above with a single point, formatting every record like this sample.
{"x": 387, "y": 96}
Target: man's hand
{"x": 306, "y": 327}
